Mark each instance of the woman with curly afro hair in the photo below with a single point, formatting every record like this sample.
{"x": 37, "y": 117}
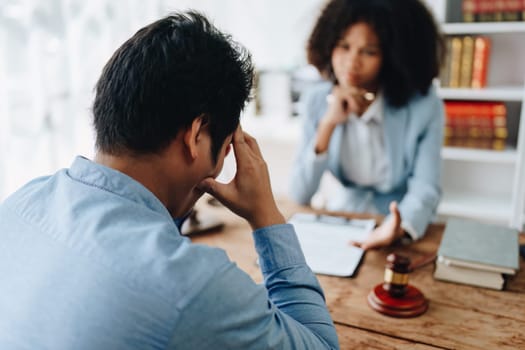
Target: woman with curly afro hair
{"x": 376, "y": 123}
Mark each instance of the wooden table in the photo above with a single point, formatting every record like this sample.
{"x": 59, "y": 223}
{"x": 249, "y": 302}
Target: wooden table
{"x": 459, "y": 316}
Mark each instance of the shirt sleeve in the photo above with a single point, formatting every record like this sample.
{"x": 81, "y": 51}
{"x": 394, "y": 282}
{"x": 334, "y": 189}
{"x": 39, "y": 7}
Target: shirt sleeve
{"x": 409, "y": 229}
{"x": 288, "y": 312}
{"x": 309, "y": 167}
{"x": 419, "y": 204}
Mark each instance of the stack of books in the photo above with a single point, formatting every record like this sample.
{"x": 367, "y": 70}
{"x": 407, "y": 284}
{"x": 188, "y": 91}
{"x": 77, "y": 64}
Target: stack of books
{"x": 466, "y": 62}
{"x": 476, "y": 124}
{"x": 477, "y": 254}
{"x": 493, "y": 10}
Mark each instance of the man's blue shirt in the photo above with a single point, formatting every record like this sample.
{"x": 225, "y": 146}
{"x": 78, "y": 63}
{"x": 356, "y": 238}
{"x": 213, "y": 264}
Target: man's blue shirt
{"x": 91, "y": 259}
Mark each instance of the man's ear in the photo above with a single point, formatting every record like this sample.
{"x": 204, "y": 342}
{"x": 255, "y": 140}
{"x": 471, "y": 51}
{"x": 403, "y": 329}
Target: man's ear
{"x": 193, "y": 135}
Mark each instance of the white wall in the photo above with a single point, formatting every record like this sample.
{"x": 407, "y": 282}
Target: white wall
{"x": 52, "y": 52}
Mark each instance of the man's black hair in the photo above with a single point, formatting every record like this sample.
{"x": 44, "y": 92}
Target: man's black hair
{"x": 169, "y": 73}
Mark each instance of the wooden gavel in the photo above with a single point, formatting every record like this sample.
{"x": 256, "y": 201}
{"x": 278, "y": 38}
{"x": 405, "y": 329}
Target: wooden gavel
{"x": 395, "y": 296}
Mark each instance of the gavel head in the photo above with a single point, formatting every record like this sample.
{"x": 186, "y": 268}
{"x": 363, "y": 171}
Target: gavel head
{"x": 395, "y": 297}
{"x": 397, "y": 269}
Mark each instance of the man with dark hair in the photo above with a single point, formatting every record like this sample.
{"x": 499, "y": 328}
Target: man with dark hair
{"x": 92, "y": 256}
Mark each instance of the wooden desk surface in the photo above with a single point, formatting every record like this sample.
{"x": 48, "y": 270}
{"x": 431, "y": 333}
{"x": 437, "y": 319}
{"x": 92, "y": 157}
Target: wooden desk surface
{"x": 459, "y": 316}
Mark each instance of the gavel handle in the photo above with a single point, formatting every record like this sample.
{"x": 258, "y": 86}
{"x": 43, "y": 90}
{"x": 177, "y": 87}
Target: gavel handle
{"x": 425, "y": 260}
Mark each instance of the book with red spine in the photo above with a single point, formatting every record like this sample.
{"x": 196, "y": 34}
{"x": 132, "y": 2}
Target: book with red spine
{"x": 485, "y": 10}
{"x": 480, "y": 62}
{"x": 480, "y": 124}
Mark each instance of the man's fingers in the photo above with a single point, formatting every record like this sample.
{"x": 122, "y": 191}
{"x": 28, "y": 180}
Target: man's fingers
{"x": 215, "y": 188}
{"x": 208, "y": 185}
{"x": 238, "y": 135}
{"x": 239, "y": 143}
{"x": 253, "y": 144}
{"x": 245, "y": 145}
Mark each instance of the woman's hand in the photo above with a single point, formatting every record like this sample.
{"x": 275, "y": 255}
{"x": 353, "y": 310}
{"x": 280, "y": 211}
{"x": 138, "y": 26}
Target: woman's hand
{"x": 339, "y": 106}
{"x": 341, "y": 102}
{"x": 386, "y": 233}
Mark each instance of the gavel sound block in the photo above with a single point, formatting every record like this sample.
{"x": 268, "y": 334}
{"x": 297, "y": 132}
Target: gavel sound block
{"x": 395, "y": 297}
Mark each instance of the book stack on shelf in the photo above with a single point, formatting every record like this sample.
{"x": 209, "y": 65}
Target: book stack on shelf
{"x": 476, "y": 124}
{"x": 477, "y": 254}
{"x": 493, "y": 10}
{"x": 466, "y": 62}
{"x": 495, "y": 76}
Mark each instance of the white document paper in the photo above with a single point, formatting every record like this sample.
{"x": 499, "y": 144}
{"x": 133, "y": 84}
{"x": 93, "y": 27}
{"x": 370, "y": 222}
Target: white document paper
{"x": 325, "y": 242}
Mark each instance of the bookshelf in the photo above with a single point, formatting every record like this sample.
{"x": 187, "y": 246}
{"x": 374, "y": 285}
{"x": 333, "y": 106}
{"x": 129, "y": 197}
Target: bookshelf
{"x": 499, "y": 93}
{"x": 483, "y": 28}
{"x": 467, "y": 204}
{"x": 507, "y": 156}
{"x": 484, "y": 184}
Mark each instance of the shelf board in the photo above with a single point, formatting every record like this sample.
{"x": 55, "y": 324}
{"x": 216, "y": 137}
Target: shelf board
{"x": 507, "y": 156}
{"x": 483, "y": 28}
{"x": 504, "y": 93}
{"x": 475, "y": 206}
